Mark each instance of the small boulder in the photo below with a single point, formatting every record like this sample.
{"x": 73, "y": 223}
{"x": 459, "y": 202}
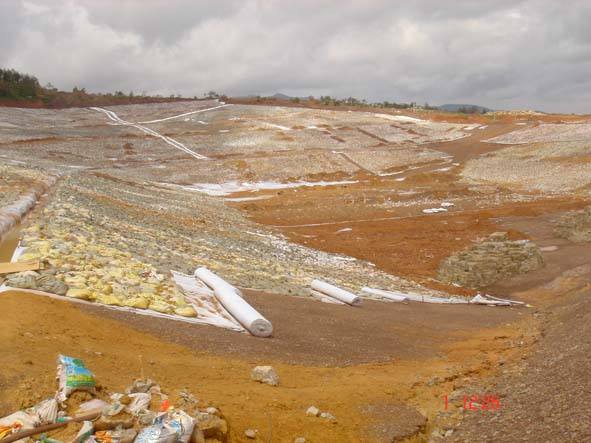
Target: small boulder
{"x": 328, "y": 416}
{"x": 300, "y": 440}
{"x": 313, "y": 411}
{"x": 197, "y": 436}
{"x": 213, "y": 426}
{"x": 251, "y": 433}
{"x": 265, "y": 374}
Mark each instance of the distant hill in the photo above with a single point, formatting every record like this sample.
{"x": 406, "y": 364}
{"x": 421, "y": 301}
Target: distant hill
{"x": 280, "y": 96}
{"x": 459, "y": 107}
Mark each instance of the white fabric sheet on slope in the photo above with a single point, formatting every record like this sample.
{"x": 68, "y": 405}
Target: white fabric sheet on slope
{"x": 480, "y": 300}
{"x": 335, "y": 292}
{"x": 147, "y": 312}
{"x": 324, "y": 298}
{"x": 489, "y": 300}
{"x": 248, "y": 317}
{"x": 384, "y": 294}
{"x": 513, "y": 302}
{"x": 204, "y": 302}
{"x": 422, "y": 298}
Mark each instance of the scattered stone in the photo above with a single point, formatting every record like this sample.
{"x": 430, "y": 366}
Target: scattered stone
{"x": 265, "y": 374}
{"x": 328, "y": 416}
{"x": 107, "y": 423}
{"x": 139, "y": 385}
{"x": 197, "y": 436}
{"x": 213, "y": 426}
{"x": 313, "y": 411}
{"x": 251, "y": 433}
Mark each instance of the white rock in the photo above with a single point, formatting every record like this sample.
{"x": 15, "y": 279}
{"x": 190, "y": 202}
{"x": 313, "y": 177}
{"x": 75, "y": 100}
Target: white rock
{"x": 251, "y": 433}
{"x": 300, "y": 440}
{"x": 265, "y": 374}
{"x": 313, "y": 411}
{"x": 328, "y": 416}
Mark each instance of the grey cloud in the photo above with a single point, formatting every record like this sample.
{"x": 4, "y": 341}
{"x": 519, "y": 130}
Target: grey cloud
{"x": 502, "y": 54}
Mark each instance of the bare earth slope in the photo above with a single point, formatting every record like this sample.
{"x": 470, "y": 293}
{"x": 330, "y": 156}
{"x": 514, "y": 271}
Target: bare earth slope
{"x": 548, "y": 400}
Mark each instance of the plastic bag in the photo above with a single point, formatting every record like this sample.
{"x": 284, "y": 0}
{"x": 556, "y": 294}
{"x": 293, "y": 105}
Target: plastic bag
{"x": 139, "y": 402}
{"x": 84, "y": 433}
{"x": 96, "y": 404}
{"x": 47, "y": 411}
{"x": 115, "y": 436}
{"x": 18, "y": 421}
{"x": 73, "y": 376}
{"x": 157, "y": 433}
{"x": 175, "y": 426}
{"x": 182, "y": 423}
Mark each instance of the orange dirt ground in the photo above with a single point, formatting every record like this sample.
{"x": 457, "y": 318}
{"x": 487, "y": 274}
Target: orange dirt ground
{"x": 31, "y": 344}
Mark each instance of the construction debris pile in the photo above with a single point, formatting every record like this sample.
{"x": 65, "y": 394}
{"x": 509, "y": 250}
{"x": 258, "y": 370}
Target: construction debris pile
{"x": 83, "y": 411}
{"x": 575, "y": 227}
{"x": 491, "y": 260}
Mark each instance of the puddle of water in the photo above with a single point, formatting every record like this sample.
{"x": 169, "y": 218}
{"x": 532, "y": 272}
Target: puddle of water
{"x": 9, "y": 244}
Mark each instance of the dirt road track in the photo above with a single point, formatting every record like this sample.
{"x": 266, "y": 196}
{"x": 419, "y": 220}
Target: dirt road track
{"x": 311, "y": 332}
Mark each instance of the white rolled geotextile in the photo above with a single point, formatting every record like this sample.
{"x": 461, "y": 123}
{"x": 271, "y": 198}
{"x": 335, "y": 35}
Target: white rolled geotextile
{"x": 384, "y": 294}
{"x": 431, "y": 299}
{"x": 402, "y": 296}
{"x": 228, "y": 296}
{"x": 335, "y": 292}
{"x": 213, "y": 281}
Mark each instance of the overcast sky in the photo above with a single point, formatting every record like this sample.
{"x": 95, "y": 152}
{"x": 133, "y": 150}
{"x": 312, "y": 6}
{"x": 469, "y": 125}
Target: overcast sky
{"x": 533, "y": 54}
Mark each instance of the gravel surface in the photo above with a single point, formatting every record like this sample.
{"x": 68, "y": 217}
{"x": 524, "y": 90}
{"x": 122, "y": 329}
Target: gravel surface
{"x": 548, "y": 399}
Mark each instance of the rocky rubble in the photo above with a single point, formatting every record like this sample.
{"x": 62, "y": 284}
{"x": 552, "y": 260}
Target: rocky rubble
{"x": 491, "y": 260}
{"x": 143, "y": 413}
{"x": 265, "y": 374}
{"x": 575, "y": 227}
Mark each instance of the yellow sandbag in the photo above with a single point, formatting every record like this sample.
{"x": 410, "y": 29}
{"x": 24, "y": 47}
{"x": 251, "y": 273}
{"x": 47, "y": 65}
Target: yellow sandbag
{"x": 83, "y": 294}
{"x": 137, "y": 302}
{"x": 185, "y": 311}
{"x": 110, "y": 300}
{"x": 160, "y": 306}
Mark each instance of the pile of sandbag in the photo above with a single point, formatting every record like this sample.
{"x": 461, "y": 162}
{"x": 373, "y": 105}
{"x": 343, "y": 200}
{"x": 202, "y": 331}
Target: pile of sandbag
{"x": 142, "y": 414}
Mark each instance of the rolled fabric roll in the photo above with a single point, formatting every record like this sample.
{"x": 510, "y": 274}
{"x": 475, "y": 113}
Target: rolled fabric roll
{"x": 384, "y": 294}
{"x": 431, "y": 299}
{"x": 228, "y": 296}
{"x": 335, "y": 292}
{"x": 213, "y": 281}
